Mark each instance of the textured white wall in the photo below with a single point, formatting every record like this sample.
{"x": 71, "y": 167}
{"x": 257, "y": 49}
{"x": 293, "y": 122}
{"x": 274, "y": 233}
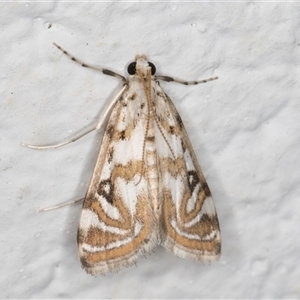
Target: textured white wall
{"x": 245, "y": 129}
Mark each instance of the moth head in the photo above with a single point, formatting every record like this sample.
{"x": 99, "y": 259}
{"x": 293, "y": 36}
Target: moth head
{"x": 142, "y": 65}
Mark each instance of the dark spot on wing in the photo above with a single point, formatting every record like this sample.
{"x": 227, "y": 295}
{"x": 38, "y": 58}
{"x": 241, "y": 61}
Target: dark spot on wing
{"x": 85, "y": 263}
{"x": 193, "y": 180}
{"x": 183, "y": 146}
{"x": 150, "y": 138}
{"x": 122, "y": 135}
{"x": 178, "y": 118}
{"x": 105, "y": 189}
{"x": 109, "y": 131}
{"x": 206, "y": 189}
{"x": 110, "y": 154}
{"x": 133, "y": 96}
{"x": 79, "y": 236}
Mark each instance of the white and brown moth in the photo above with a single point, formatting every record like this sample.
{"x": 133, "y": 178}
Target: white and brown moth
{"x": 147, "y": 187}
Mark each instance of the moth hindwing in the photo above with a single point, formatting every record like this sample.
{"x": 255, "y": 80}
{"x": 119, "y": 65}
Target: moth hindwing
{"x": 147, "y": 187}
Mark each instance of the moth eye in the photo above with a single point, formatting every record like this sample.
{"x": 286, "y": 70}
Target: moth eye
{"x": 153, "y": 69}
{"x": 131, "y": 68}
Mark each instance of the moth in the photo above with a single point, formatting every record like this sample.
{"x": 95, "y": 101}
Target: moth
{"x": 147, "y": 188}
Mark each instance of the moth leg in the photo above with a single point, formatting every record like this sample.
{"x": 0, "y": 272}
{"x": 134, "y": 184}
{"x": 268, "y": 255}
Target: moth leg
{"x": 170, "y": 79}
{"x": 104, "y": 71}
{"x": 59, "y": 205}
{"x": 95, "y": 127}
{"x": 39, "y": 147}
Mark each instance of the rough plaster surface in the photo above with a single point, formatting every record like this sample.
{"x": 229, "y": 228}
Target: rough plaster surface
{"x": 245, "y": 129}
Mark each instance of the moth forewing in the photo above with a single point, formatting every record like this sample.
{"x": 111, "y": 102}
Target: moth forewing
{"x": 117, "y": 224}
{"x": 189, "y": 216}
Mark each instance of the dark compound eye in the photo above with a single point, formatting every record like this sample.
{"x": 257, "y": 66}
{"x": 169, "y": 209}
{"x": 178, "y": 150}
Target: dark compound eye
{"x": 131, "y": 68}
{"x": 153, "y": 69}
